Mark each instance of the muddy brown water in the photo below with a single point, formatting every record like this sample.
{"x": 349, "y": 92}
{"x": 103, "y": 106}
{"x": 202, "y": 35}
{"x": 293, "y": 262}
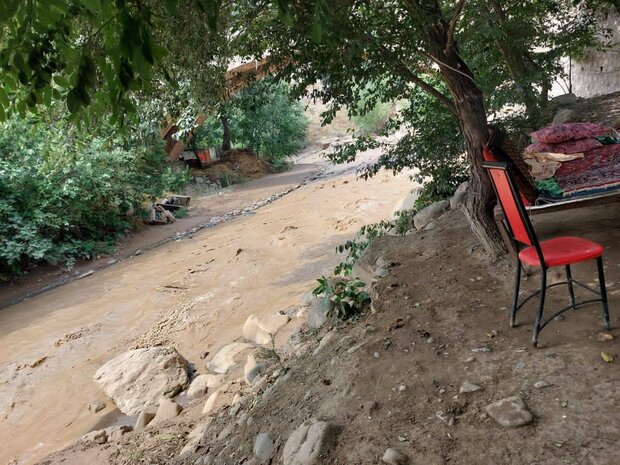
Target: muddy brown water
{"x": 194, "y": 294}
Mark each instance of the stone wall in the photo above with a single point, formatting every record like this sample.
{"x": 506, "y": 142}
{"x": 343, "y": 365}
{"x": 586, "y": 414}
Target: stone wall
{"x": 599, "y": 72}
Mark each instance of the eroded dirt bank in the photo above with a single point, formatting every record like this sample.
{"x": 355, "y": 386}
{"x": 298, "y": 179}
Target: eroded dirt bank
{"x": 417, "y": 372}
{"x": 194, "y": 294}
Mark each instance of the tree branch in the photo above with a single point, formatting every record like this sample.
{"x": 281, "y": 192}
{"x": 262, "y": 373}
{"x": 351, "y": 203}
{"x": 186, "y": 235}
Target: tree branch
{"x": 426, "y": 87}
{"x": 458, "y": 10}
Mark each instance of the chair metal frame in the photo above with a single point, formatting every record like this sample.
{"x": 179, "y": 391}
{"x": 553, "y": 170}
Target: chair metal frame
{"x": 570, "y": 281}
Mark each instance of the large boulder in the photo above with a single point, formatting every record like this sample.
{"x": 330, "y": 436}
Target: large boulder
{"x": 317, "y": 312}
{"x": 430, "y": 213}
{"x": 226, "y": 358}
{"x": 563, "y": 100}
{"x": 565, "y": 115}
{"x": 261, "y": 329}
{"x": 308, "y": 443}
{"x": 407, "y": 202}
{"x": 460, "y": 195}
{"x": 138, "y": 379}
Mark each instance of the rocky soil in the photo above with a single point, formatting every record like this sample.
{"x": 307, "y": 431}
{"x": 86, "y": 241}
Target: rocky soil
{"x": 429, "y": 374}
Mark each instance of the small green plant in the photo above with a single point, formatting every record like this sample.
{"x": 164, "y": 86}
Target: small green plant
{"x": 347, "y": 297}
{"x": 356, "y": 246}
{"x": 403, "y": 221}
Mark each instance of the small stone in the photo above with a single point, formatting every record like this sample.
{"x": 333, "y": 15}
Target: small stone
{"x": 402, "y": 388}
{"x": 481, "y": 349}
{"x": 200, "y": 384}
{"x": 308, "y": 443}
{"x": 469, "y": 359}
{"x": 602, "y": 337}
{"x": 210, "y": 403}
{"x": 541, "y": 384}
{"x": 115, "y": 433}
{"x": 144, "y": 419}
{"x": 510, "y": 412}
{"x": 263, "y": 446}
{"x": 394, "y": 457}
{"x": 97, "y": 437}
{"x": 138, "y": 252}
{"x": 96, "y": 406}
{"x": 520, "y": 366}
{"x": 325, "y": 341}
{"x": 468, "y": 387}
{"x": 376, "y": 355}
{"x": 430, "y": 340}
{"x": 167, "y": 409}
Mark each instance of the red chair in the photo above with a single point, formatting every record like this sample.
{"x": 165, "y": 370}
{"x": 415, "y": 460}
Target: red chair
{"x": 559, "y": 251}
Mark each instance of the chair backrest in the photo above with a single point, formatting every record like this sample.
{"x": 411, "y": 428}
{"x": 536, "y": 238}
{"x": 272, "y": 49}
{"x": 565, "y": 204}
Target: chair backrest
{"x": 510, "y": 200}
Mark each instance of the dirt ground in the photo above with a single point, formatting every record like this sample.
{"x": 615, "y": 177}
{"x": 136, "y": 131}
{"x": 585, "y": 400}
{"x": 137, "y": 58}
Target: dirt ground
{"x": 392, "y": 378}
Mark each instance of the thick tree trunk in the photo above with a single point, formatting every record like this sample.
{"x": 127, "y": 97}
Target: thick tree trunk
{"x": 226, "y": 139}
{"x": 471, "y": 114}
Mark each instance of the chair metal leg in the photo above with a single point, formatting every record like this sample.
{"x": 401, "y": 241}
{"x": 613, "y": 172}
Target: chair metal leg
{"x": 571, "y": 291}
{"x": 541, "y": 305}
{"x": 601, "y": 282}
{"x": 515, "y": 299}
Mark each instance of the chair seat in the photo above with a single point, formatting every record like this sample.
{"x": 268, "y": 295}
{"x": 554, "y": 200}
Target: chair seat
{"x": 562, "y": 251}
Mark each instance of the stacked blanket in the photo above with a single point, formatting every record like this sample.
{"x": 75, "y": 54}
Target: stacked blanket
{"x": 574, "y": 157}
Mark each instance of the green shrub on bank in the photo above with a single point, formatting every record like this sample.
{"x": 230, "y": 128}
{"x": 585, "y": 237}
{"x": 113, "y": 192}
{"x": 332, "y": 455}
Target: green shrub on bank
{"x": 65, "y": 195}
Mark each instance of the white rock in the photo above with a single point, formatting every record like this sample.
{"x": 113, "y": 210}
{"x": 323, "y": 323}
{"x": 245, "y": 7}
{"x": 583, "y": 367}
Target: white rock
{"x": 201, "y": 384}
{"x": 210, "y": 403}
{"x": 263, "y": 447}
{"x": 317, "y": 312}
{"x": 252, "y": 369}
{"x": 307, "y": 444}
{"x": 407, "y": 202}
{"x": 144, "y": 419}
{"x": 467, "y": 387}
{"x": 167, "y": 409}
{"x": 325, "y": 341}
{"x": 261, "y": 329}
{"x": 460, "y": 195}
{"x": 430, "y": 213}
{"x": 137, "y": 379}
{"x": 510, "y": 412}
{"x": 394, "y": 457}
{"x": 96, "y": 437}
{"x": 225, "y": 358}
{"x": 541, "y": 384}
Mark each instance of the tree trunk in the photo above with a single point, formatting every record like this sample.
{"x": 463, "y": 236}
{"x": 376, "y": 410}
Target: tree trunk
{"x": 472, "y": 118}
{"x": 226, "y": 139}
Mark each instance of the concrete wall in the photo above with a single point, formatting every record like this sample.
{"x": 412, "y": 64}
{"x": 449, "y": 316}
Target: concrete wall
{"x": 599, "y": 72}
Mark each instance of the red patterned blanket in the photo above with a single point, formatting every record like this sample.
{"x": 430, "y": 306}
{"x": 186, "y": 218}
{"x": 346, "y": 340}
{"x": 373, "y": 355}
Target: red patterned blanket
{"x": 598, "y": 171}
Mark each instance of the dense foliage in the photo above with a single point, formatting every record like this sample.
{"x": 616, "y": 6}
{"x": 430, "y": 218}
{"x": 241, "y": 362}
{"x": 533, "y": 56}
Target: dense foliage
{"x": 66, "y": 195}
{"x": 263, "y": 117}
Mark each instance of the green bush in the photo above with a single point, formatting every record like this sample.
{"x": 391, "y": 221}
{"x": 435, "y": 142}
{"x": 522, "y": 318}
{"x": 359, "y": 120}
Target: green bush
{"x": 66, "y": 195}
{"x": 347, "y": 298}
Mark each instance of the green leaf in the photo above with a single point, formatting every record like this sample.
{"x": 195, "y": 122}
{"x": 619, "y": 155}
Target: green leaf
{"x": 74, "y": 100}
{"x": 4, "y": 99}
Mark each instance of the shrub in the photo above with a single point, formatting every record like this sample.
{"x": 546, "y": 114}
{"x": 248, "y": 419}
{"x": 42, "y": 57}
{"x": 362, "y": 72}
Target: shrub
{"x": 347, "y": 298}
{"x": 66, "y": 195}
